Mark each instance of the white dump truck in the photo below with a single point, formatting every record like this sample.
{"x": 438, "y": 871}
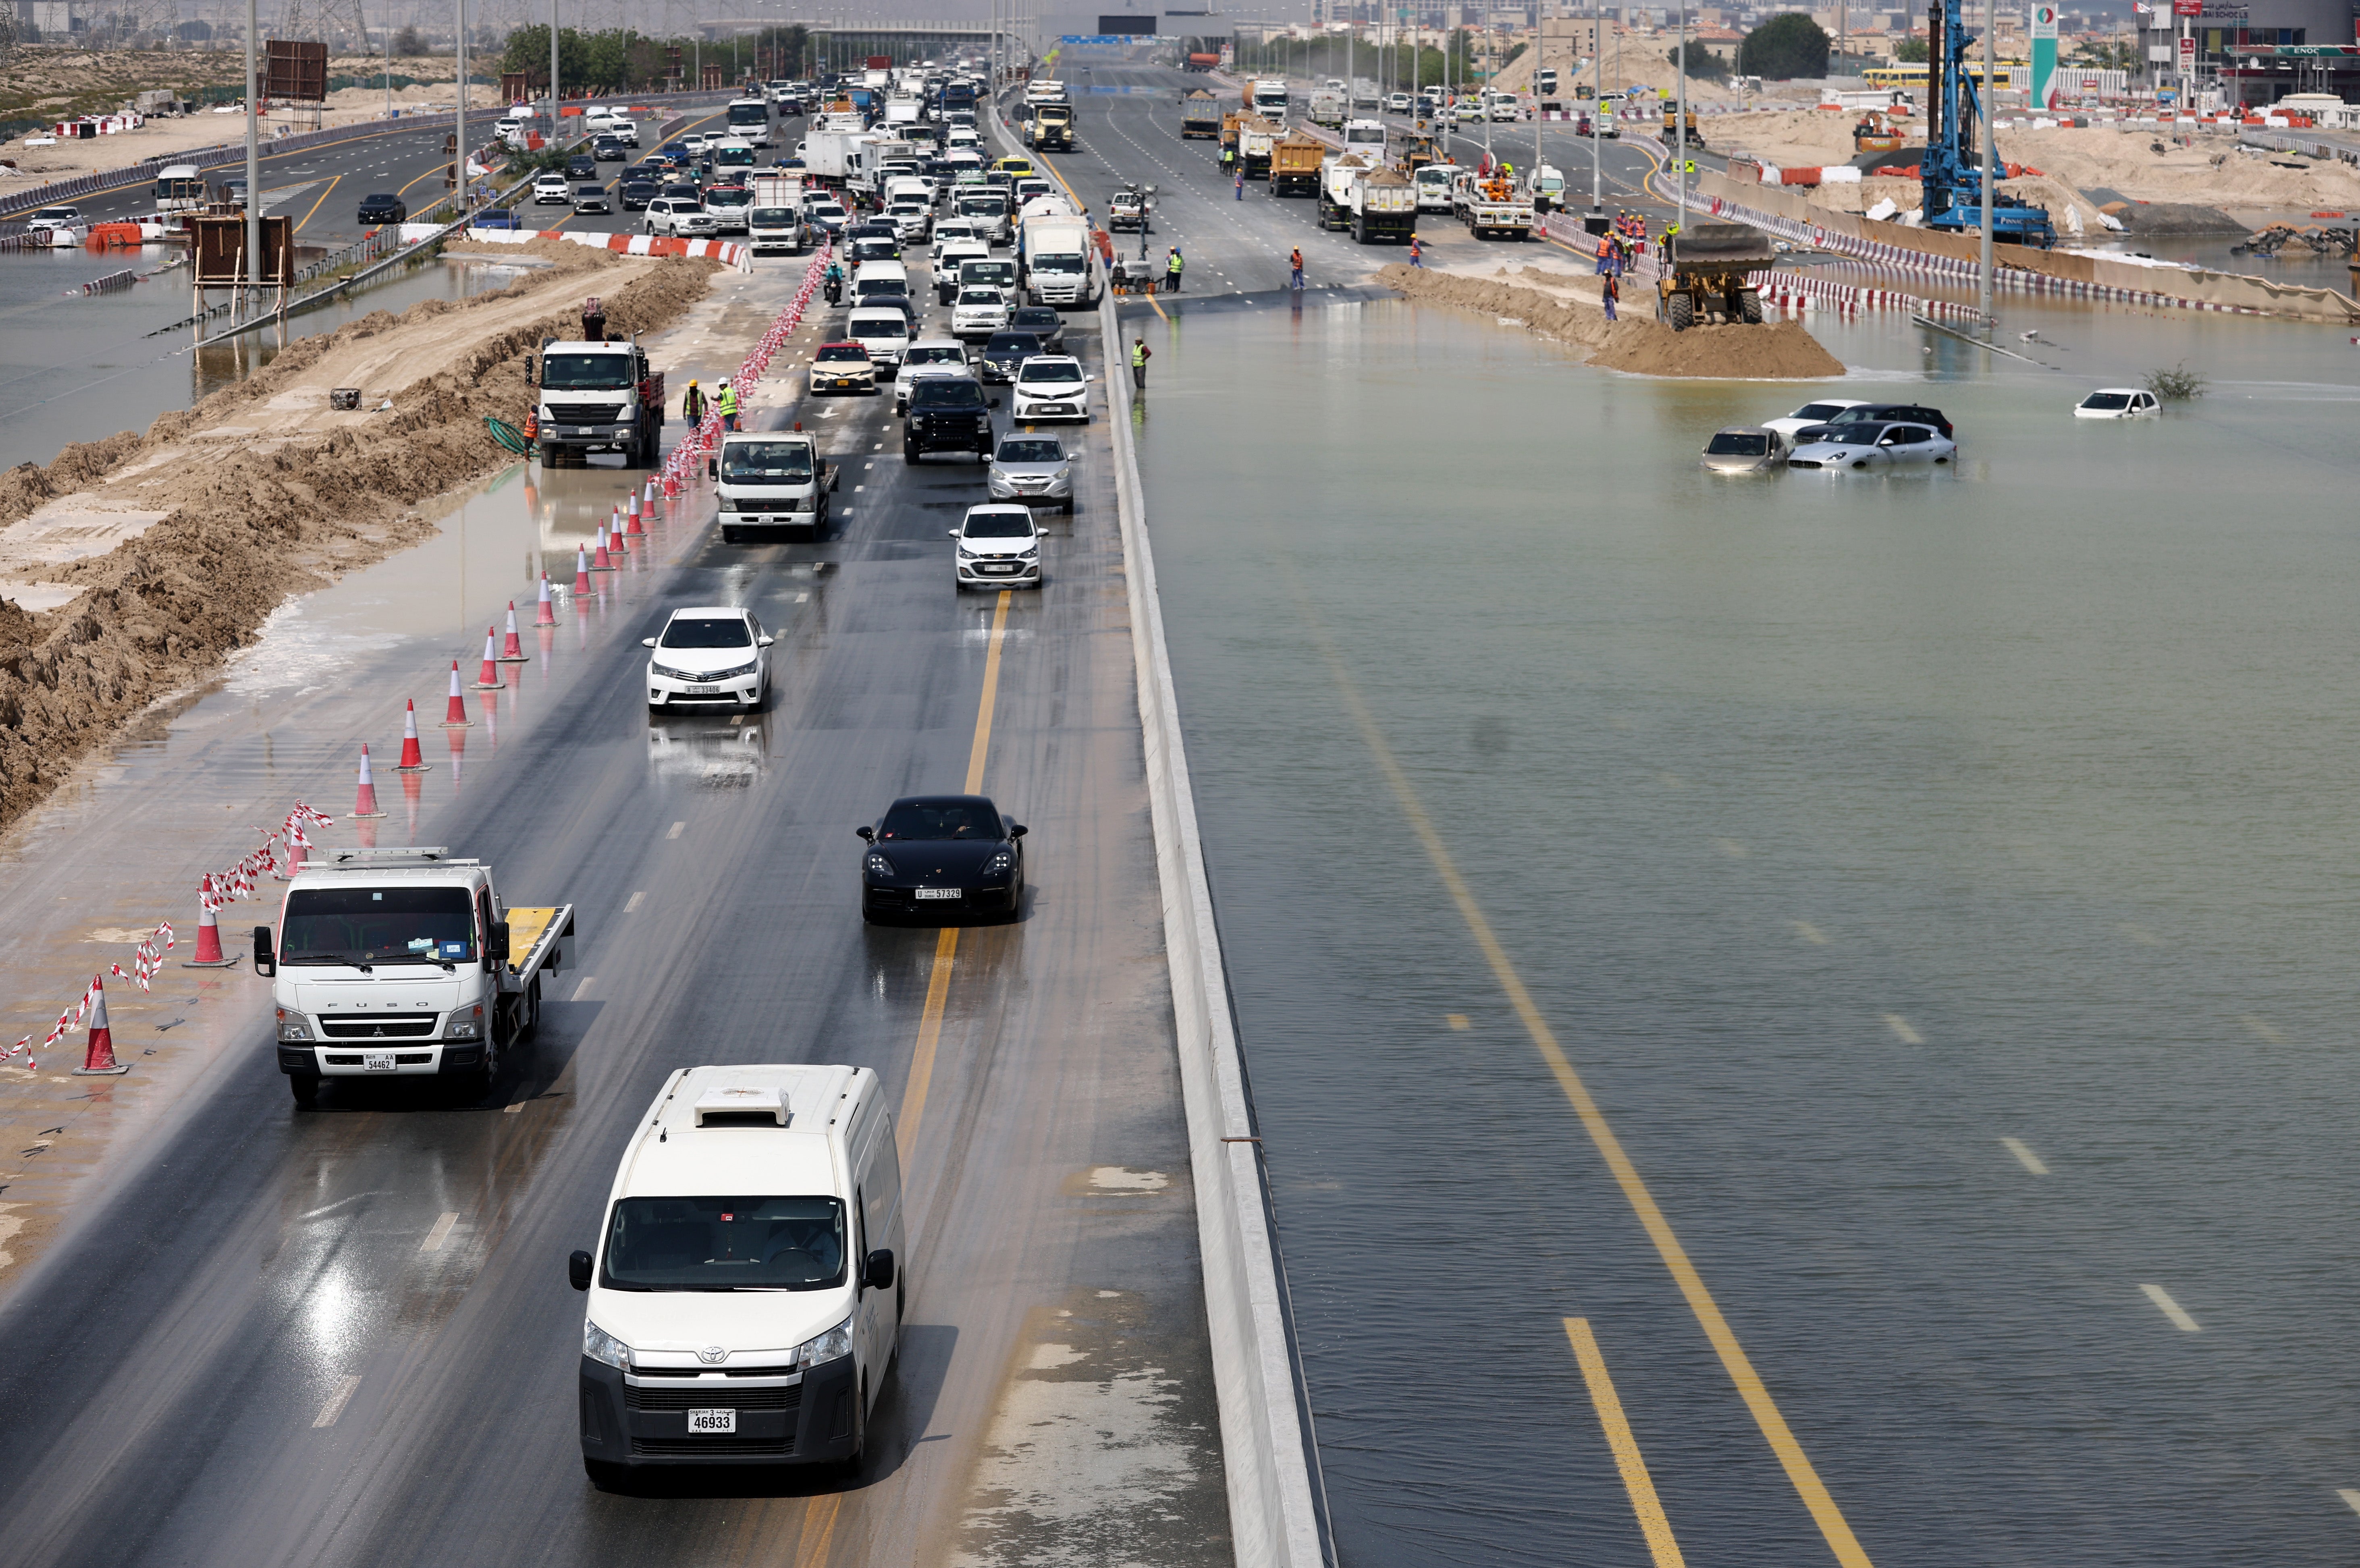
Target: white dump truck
{"x": 1375, "y": 202}
{"x": 404, "y": 963}
{"x": 772, "y": 482}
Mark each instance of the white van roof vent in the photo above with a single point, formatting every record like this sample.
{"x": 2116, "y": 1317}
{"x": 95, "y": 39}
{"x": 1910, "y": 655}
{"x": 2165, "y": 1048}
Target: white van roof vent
{"x": 742, "y": 1106}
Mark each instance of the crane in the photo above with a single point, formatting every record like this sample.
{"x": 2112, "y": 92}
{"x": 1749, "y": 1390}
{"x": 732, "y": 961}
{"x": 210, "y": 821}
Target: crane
{"x": 1949, "y": 172}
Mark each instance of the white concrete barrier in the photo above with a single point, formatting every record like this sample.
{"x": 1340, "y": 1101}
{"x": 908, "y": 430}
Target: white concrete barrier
{"x": 1276, "y": 1511}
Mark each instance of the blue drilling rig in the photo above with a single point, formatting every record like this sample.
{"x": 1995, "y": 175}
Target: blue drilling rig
{"x": 1953, "y": 182}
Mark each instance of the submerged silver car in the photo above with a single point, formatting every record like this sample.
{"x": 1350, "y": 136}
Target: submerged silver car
{"x": 1744, "y": 448}
{"x": 1034, "y": 471}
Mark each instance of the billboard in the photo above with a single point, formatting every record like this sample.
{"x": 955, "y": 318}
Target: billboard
{"x": 1127, "y": 27}
{"x": 220, "y": 250}
{"x": 295, "y": 71}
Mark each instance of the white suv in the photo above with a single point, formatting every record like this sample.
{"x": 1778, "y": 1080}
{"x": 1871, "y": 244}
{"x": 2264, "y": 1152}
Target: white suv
{"x": 745, "y": 1293}
{"x": 626, "y": 131}
{"x": 927, "y": 356}
{"x": 677, "y": 215}
{"x": 711, "y": 654}
{"x": 979, "y": 312}
{"x": 1050, "y": 386}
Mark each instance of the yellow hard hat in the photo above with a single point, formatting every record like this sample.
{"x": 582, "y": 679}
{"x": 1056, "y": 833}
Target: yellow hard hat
{"x": 692, "y": 381}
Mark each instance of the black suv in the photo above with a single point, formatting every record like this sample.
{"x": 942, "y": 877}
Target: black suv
{"x": 1875, "y": 414}
{"x": 1004, "y": 352}
{"x": 383, "y": 208}
{"x": 947, "y": 413}
{"x": 1044, "y": 321}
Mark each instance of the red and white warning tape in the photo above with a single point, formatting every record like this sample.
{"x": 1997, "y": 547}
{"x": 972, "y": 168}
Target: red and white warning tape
{"x": 693, "y": 447}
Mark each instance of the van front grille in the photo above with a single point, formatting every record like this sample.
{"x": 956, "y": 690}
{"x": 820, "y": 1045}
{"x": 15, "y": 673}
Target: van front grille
{"x": 385, "y": 1026}
{"x": 708, "y": 1396}
{"x": 712, "y": 1447}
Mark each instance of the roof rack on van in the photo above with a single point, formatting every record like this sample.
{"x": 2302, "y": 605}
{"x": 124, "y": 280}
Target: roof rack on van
{"x": 742, "y": 1106}
{"x": 407, "y": 854}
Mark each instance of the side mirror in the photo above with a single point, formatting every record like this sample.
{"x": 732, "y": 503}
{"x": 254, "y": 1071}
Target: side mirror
{"x": 529, "y": 379}
{"x": 264, "y": 961}
{"x": 712, "y": 468}
{"x": 877, "y": 1269}
{"x": 764, "y": 641}
{"x": 495, "y": 945}
{"x": 577, "y": 1270}
{"x": 646, "y": 642}
{"x": 953, "y": 532}
{"x": 1016, "y": 830}
{"x": 866, "y": 835}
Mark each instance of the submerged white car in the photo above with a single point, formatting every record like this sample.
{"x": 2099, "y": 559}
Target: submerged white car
{"x": 1868, "y": 446}
{"x": 709, "y": 654}
{"x": 1817, "y": 413}
{"x": 1744, "y": 448}
{"x": 2117, "y": 403}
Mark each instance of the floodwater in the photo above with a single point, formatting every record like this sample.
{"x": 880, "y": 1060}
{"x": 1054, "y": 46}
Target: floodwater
{"x": 77, "y": 366}
{"x": 1941, "y": 883}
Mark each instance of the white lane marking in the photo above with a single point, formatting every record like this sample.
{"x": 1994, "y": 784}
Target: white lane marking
{"x": 2261, "y": 1029}
{"x": 634, "y": 904}
{"x": 859, "y": 488}
{"x": 580, "y": 986}
{"x": 439, "y": 1234}
{"x": 2351, "y": 1498}
{"x": 1810, "y": 932}
{"x": 1901, "y": 1030}
{"x": 2024, "y": 1156}
{"x": 802, "y": 597}
{"x": 2172, "y": 1309}
{"x": 869, "y": 466}
{"x": 675, "y": 830}
{"x": 335, "y": 1405}
{"x": 512, "y": 1109}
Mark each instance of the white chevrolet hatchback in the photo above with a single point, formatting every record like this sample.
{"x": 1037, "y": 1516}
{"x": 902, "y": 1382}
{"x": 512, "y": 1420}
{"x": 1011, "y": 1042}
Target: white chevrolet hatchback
{"x": 745, "y": 1293}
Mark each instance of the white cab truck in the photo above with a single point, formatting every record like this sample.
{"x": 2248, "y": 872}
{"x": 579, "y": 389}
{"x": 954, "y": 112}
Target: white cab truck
{"x": 772, "y": 483}
{"x": 1269, "y": 98}
{"x": 598, "y": 397}
{"x": 829, "y": 153}
{"x": 1327, "y": 108}
{"x": 1376, "y": 204}
{"x": 775, "y": 221}
{"x": 403, "y": 964}
{"x": 1059, "y": 261}
{"x": 745, "y": 1293}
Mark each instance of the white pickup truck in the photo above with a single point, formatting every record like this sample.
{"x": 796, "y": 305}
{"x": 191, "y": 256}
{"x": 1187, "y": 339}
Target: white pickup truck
{"x": 403, "y": 962}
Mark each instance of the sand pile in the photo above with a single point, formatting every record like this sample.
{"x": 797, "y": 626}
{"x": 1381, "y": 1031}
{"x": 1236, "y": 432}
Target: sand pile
{"x": 265, "y": 492}
{"x": 1555, "y": 305}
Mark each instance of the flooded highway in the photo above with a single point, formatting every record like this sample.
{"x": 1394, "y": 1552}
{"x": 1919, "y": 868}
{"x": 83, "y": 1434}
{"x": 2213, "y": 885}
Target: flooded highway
{"x": 1937, "y": 886}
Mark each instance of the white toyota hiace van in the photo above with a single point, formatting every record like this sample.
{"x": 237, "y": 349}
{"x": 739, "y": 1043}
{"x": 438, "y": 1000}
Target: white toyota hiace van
{"x": 745, "y": 1299}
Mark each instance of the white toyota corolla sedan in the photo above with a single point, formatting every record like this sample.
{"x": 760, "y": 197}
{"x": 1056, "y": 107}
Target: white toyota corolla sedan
{"x": 709, "y": 655}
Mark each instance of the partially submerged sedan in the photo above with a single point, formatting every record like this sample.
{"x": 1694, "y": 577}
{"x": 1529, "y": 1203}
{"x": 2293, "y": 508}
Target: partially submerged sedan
{"x": 2117, "y": 403}
{"x": 1744, "y": 448}
{"x": 1862, "y": 445}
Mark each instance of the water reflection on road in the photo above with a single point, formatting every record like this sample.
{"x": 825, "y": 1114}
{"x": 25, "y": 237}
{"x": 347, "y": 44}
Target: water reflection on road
{"x": 1941, "y": 882}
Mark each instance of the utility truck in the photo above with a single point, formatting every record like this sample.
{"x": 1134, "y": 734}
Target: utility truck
{"x": 1256, "y": 136}
{"x": 1492, "y": 206}
{"x": 772, "y": 482}
{"x": 596, "y": 397}
{"x": 403, "y": 964}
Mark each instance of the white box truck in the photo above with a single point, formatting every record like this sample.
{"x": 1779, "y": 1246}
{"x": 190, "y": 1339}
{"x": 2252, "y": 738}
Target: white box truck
{"x": 774, "y": 219}
{"x": 403, "y": 964}
{"x": 745, "y": 1290}
{"x": 1060, "y": 263}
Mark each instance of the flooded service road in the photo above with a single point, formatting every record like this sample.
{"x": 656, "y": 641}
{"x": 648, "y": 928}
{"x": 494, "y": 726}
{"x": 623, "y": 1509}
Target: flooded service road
{"x": 1940, "y": 887}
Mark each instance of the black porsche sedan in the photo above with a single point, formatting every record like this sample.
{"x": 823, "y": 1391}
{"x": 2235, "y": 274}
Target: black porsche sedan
{"x": 940, "y": 858}
{"x": 384, "y": 207}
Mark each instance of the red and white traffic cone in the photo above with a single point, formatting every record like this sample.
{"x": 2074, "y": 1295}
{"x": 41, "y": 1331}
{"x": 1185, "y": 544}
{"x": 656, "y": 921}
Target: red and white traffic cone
{"x": 599, "y": 560}
{"x": 454, "y": 711}
{"x": 512, "y": 646}
{"x": 632, "y": 527}
{"x": 98, "y": 1057}
{"x": 410, "y": 761}
{"x": 546, "y": 616}
{"x": 489, "y": 681}
{"x": 581, "y": 572}
{"x": 209, "y": 948}
{"x": 648, "y": 500}
{"x": 365, "y": 801}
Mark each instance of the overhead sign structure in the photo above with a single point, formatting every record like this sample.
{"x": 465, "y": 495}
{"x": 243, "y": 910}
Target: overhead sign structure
{"x": 1127, "y": 27}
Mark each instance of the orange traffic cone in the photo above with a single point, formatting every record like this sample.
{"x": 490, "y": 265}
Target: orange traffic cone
{"x": 412, "y": 762}
{"x": 512, "y": 646}
{"x": 489, "y": 681}
{"x": 454, "y": 711}
{"x": 365, "y": 803}
{"x": 98, "y": 1057}
{"x": 546, "y": 616}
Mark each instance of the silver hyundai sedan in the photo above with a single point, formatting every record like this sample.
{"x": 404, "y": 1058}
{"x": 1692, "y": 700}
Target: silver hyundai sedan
{"x": 1034, "y": 471}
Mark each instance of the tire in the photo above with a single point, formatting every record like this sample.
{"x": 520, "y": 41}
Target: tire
{"x": 848, "y": 1469}
{"x": 305, "y": 1087}
{"x": 1068, "y": 507}
{"x": 729, "y": 534}
{"x": 1681, "y": 308}
{"x": 912, "y": 452}
{"x": 1749, "y": 305}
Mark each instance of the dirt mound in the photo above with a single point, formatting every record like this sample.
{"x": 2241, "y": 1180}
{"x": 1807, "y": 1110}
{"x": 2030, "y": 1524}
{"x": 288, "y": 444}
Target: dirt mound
{"x": 1782, "y": 351}
{"x": 267, "y": 493}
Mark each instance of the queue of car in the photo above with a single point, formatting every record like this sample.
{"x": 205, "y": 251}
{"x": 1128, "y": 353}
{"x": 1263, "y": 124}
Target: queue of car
{"x": 1839, "y": 435}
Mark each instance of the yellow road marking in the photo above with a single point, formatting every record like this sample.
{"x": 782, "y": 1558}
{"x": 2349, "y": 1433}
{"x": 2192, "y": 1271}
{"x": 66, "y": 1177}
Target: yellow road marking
{"x": 315, "y": 206}
{"x": 938, "y": 983}
{"x": 1644, "y": 1501}
{"x": 1781, "y": 1438}
{"x": 819, "y": 1531}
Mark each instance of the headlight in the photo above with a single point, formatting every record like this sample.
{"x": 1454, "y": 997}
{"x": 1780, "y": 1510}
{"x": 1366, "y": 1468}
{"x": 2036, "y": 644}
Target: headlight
{"x": 1033, "y": 554}
{"x": 1004, "y": 860}
{"x": 670, "y": 674}
{"x": 832, "y": 1346}
{"x": 733, "y": 674}
{"x": 293, "y": 1026}
{"x": 728, "y": 503}
{"x": 966, "y": 554}
{"x": 1064, "y": 473}
{"x": 878, "y": 865}
{"x": 604, "y": 1347}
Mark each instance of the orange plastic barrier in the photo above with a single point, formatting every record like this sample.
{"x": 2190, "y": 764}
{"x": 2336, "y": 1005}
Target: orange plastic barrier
{"x": 112, "y": 236}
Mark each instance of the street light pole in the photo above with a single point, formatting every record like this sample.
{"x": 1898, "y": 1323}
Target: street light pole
{"x": 552, "y": 72}
{"x": 1991, "y": 147}
{"x": 251, "y": 273}
{"x": 1680, "y": 125}
{"x": 1597, "y": 100}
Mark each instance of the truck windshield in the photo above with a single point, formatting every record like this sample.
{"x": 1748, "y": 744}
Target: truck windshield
{"x": 1003, "y": 273}
{"x": 767, "y": 463}
{"x": 725, "y": 1244}
{"x": 1058, "y": 261}
{"x": 586, "y": 372}
{"x": 749, "y": 114}
{"x": 342, "y": 925}
{"x": 771, "y": 217}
